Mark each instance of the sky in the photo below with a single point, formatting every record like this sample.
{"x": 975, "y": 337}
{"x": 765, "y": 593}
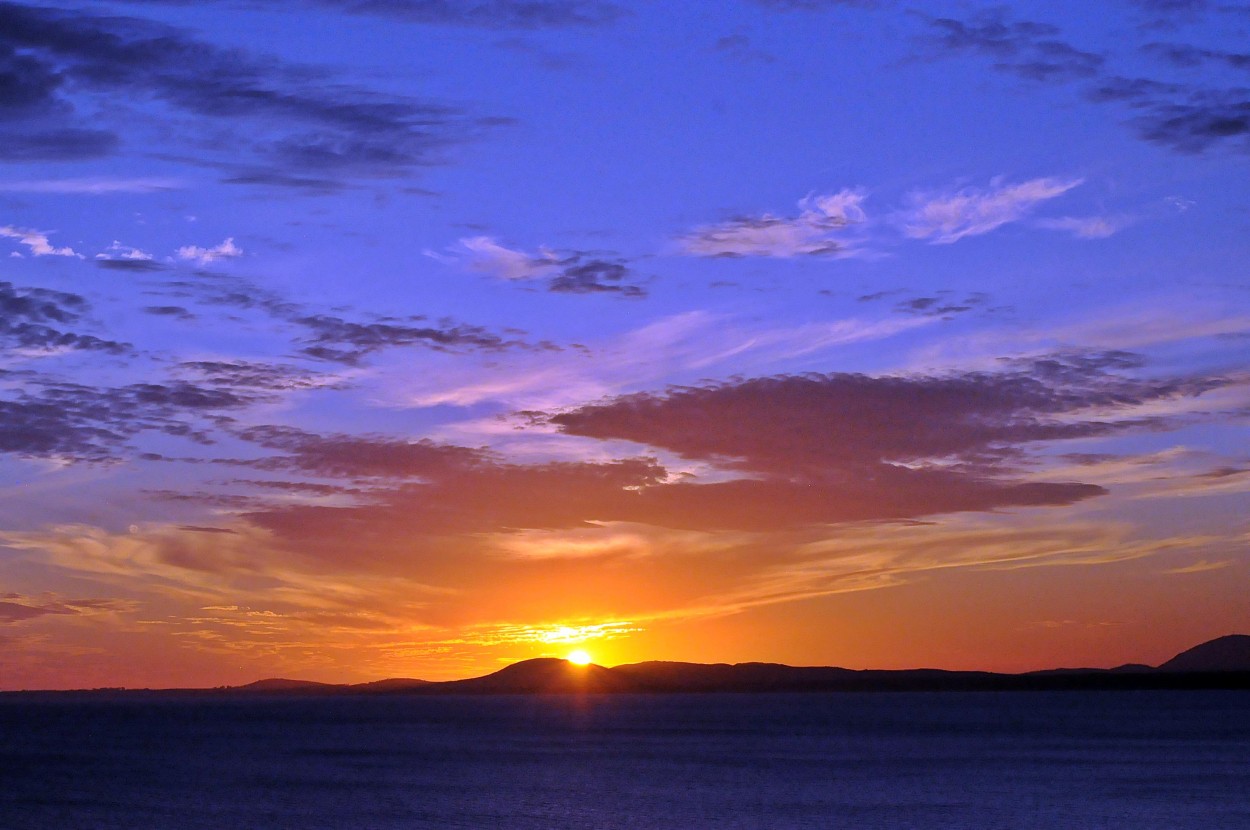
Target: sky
{"x": 351, "y": 339}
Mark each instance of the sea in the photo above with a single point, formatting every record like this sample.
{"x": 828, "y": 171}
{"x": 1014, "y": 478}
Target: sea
{"x": 980, "y": 760}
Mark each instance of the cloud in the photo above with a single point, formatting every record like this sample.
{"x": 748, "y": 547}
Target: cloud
{"x": 359, "y": 456}
{"x": 91, "y": 186}
{"x": 477, "y": 498}
{"x": 946, "y": 217}
{"x": 832, "y": 448}
{"x": 204, "y": 256}
{"x": 31, "y": 319}
{"x": 36, "y": 242}
{"x": 1202, "y": 566}
{"x": 491, "y": 14}
{"x": 485, "y": 255}
{"x": 1186, "y": 56}
{"x": 78, "y": 422}
{"x": 251, "y": 374}
{"x": 40, "y": 305}
{"x": 14, "y": 612}
{"x": 1172, "y": 5}
{"x": 814, "y": 5}
{"x": 1187, "y": 118}
{"x": 940, "y": 305}
{"x": 1166, "y": 14}
{"x": 1197, "y": 121}
{"x": 481, "y": 14}
{"x": 63, "y": 144}
{"x": 567, "y": 272}
{"x": 738, "y": 49}
{"x": 339, "y": 340}
{"x": 119, "y": 252}
{"x": 175, "y": 311}
{"x": 816, "y": 231}
{"x": 694, "y": 343}
{"x": 1026, "y": 48}
{"x": 772, "y": 454}
{"x": 840, "y": 421}
{"x": 1087, "y": 227}
{"x": 595, "y": 276}
{"x": 273, "y": 123}
{"x": 337, "y": 337}
{"x": 139, "y": 266}
{"x": 874, "y": 556}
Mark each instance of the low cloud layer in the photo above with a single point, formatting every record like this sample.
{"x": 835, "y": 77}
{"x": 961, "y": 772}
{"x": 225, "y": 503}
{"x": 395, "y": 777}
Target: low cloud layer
{"x": 778, "y": 453}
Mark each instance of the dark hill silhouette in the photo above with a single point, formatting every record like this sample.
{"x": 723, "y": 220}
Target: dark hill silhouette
{"x": 777, "y": 677}
{"x": 1223, "y": 654}
{"x": 1222, "y": 663}
{"x": 542, "y": 675}
{"x": 547, "y": 675}
{"x": 390, "y": 684}
{"x": 282, "y": 684}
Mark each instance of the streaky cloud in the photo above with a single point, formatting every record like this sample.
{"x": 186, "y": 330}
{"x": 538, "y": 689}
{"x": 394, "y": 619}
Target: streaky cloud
{"x": 95, "y": 186}
{"x": 947, "y": 216}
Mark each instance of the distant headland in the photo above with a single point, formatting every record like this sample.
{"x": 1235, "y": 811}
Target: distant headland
{"x": 1222, "y": 663}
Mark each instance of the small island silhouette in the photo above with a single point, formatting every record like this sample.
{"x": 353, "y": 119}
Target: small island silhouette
{"x": 1222, "y": 663}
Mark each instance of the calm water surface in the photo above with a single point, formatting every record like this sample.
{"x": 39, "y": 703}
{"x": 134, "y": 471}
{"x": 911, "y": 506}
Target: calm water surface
{"x": 1024, "y": 760}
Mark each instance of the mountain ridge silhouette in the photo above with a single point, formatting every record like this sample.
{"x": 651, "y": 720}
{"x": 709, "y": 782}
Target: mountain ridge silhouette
{"x": 1221, "y": 663}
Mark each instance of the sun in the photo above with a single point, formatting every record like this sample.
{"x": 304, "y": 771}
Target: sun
{"x": 579, "y": 657}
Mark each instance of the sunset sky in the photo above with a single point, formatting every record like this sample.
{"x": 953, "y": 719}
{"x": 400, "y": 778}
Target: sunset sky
{"x": 351, "y": 339}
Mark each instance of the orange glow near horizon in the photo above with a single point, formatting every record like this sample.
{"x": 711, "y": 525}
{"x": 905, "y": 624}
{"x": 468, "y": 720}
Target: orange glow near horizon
{"x": 579, "y": 657}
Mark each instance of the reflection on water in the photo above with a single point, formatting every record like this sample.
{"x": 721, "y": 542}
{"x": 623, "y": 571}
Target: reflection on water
{"x": 1023, "y": 760}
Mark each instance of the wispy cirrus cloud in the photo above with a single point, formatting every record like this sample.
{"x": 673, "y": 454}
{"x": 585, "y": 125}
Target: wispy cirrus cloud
{"x": 943, "y": 217}
{"x": 693, "y": 343}
{"x": 95, "y": 186}
{"x": 29, "y": 608}
{"x": 1087, "y": 227}
{"x": 817, "y": 230}
{"x": 838, "y": 225}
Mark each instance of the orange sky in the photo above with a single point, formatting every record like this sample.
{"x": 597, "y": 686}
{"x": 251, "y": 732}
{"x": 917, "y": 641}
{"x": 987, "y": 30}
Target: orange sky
{"x": 343, "y": 341}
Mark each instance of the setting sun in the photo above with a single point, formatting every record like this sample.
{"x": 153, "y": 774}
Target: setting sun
{"x": 579, "y": 657}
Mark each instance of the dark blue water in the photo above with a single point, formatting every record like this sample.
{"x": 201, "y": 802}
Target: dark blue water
{"x": 1019, "y": 760}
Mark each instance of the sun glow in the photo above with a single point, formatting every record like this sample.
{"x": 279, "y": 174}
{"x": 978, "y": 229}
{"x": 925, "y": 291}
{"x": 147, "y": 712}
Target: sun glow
{"x": 579, "y": 657}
